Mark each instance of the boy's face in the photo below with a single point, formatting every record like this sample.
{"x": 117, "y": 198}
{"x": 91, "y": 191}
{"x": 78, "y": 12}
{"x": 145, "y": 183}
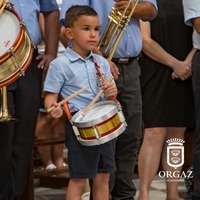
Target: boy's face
{"x": 84, "y": 34}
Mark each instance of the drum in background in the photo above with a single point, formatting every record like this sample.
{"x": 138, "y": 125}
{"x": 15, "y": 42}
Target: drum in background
{"x": 102, "y": 123}
{"x": 16, "y": 48}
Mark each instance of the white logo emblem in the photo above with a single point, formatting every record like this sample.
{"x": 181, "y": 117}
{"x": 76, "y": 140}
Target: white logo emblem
{"x": 175, "y": 152}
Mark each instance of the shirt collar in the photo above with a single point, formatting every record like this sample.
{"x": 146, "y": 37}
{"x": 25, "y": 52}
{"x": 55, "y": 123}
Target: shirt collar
{"x": 73, "y": 56}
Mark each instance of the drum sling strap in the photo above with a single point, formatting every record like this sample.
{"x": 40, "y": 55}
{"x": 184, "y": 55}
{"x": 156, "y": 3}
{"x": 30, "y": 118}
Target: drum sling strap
{"x": 101, "y": 79}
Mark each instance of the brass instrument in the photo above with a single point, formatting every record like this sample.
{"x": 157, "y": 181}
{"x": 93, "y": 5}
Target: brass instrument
{"x": 114, "y": 30}
{"x": 4, "y": 114}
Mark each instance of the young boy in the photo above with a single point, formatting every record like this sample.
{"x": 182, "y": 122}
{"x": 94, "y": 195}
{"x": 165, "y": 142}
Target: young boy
{"x": 66, "y": 75}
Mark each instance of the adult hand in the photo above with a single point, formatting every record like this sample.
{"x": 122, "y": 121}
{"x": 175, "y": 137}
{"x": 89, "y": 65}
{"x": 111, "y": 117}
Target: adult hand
{"x": 182, "y": 70}
{"x": 121, "y": 6}
{"x": 45, "y": 59}
{"x": 114, "y": 69}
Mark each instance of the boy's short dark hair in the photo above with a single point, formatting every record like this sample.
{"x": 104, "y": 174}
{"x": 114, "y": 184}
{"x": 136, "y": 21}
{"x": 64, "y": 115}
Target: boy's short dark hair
{"x": 74, "y": 12}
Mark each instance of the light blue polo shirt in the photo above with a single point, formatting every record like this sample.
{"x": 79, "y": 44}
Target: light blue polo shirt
{"x": 69, "y": 73}
{"x": 192, "y": 10}
{"x": 130, "y": 44}
{"x": 29, "y": 10}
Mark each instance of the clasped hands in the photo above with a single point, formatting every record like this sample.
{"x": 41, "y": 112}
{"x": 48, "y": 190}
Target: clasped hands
{"x": 182, "y": 70}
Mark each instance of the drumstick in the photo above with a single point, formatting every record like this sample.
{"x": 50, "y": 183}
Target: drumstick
{"x": 1, "y": 2}
{"x": 68, "y": 98}
{"x": 4, "y": 5}
{"x": 96, "y": 98}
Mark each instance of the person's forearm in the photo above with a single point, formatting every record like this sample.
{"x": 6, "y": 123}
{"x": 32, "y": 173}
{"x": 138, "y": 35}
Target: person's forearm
{"x": 50, "y": 98}
{"x": 190, "y": 55}
{"x": 52, "y": 29}
{"x": 196, "y": 23}
{"x": 145, "y": 11}
{"x": 157, "y": 53}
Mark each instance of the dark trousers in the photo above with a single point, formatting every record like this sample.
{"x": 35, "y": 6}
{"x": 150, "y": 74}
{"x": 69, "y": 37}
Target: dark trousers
{"x": 128, "y": 143}
{"x": 17, "y": 137}
{"x": 196, "y": 153}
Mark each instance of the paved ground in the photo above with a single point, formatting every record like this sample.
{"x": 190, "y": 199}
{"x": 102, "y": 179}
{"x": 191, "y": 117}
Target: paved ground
{"x": 157, "y": 191}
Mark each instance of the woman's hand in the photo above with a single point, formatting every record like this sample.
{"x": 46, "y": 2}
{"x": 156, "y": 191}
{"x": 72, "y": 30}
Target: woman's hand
{"x": 182, "y": 70}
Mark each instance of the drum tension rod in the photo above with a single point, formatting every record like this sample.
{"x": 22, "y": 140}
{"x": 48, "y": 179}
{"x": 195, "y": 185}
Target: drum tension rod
{"x": 14, "y": 60}
{"x": 9, "y": 5}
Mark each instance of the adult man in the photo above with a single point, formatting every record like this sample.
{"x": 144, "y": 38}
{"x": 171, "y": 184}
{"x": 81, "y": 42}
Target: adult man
{"x": 192, "y": 18}
{"x": 24, "y": 98}
{"x": 126, "y": 75}
{"x": 51, "y": 155}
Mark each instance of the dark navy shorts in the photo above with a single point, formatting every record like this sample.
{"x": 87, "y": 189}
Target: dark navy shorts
{"x": 87, "y": 161}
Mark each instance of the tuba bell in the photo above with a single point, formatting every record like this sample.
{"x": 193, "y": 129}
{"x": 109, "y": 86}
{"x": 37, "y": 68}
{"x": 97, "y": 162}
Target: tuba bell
{"x": 114, "y": 30}
{"x": 5, "y": 116}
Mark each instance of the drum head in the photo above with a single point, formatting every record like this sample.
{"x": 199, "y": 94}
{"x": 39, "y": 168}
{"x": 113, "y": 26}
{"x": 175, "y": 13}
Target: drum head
{"x": 99, "y": 112}
{"x": 95, "y": 113}
{"x": 16, "y": 49}
{"x": 10, "y": 29}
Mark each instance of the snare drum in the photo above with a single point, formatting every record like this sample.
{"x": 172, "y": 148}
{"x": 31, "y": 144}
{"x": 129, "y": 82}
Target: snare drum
{"x": 102, "y": 123}
{"x": 16, "y": 48}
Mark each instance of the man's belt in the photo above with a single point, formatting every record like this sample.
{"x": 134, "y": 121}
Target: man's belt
{"x": 124, "y": 60}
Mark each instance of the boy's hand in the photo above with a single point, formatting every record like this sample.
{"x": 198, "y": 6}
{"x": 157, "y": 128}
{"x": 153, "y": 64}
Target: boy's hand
{"x": 57, "y": 112}
{"x": 110, "y": 90}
